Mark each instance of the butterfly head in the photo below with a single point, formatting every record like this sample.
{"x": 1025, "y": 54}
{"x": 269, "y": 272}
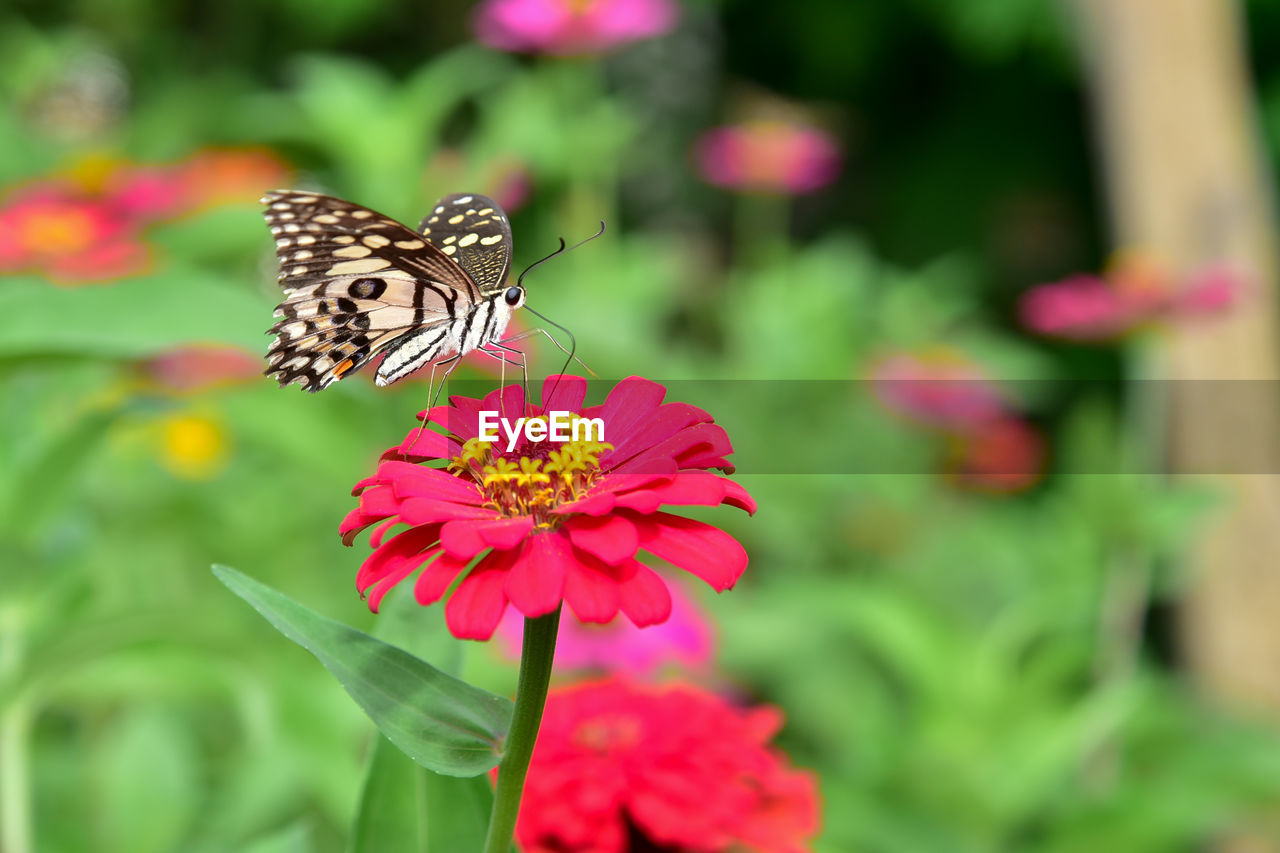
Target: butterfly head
{"x": 514, "y": 296}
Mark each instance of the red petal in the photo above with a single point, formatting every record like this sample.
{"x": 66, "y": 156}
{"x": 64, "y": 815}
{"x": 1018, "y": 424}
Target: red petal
{"x": 612, "y": 538}
{"x": 658, "y": 426}
{"x": 415, "y": 481}
{"x": 703, "y": 550}
{"x": 691, "y": 488}
{"x": 427, "y": 511}
{"x": 628, "y": 404}
{"x": 590, "y": 505}
{"x": 535, "y": 584}
{"x": 400, "y": 547}
{"x": 591, "y": 589}
{"x": 466, "y": 538}
{"x": 698, "y": 446}
{"x": 355, "y": 522}
{"x": 476, "y": 606}
{"x": 644, "y": 597}
{"x": 563, "y": 393}
{"x": 422, "y": 443}
{"x": 436, "y": 577}
{"x": 375, "y": 538}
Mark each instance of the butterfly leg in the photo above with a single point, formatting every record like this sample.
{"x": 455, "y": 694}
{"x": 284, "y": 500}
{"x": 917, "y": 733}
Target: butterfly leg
{"x": 540, "y": 331}
{"x": 433, "y": 392}
{"x": 502, "y": 377}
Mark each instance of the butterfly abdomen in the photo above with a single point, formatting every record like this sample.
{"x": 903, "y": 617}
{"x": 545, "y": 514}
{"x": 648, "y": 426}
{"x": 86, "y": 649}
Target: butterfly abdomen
{"x": 457, "y": 337}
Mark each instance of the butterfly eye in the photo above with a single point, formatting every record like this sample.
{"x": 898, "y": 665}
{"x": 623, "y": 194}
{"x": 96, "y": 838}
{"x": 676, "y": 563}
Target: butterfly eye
{"x": 514, "y": 296}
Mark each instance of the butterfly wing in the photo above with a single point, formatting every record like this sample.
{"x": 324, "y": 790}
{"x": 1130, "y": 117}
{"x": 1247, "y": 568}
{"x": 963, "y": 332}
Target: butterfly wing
{"x": 474, "y": 231}
{"x": 356, "y": 283}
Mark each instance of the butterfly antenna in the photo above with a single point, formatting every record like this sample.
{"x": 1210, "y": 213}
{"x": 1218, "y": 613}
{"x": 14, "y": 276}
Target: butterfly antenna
{"x": 573, "y": 342}
{"x": 538, "y": 263}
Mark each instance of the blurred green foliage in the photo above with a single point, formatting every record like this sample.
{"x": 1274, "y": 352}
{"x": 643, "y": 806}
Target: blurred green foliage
{"x": 945, "y": 658}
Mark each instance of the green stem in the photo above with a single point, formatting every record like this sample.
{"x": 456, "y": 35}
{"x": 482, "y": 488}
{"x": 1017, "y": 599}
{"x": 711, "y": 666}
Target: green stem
{"x": 15, "y": 770}
{"x": 531, "y": 695}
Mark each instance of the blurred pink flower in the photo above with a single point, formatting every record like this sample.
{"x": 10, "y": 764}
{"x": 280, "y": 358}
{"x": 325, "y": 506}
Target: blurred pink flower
{"x": 86, "y": 224}
{"x": 685, "y": 640}
{"x": 768, "y": 157}
{"x": 567, "y": 27}
{"x": 70, "y": 236}
{"x": 1135, "y": 293}
{"x": 146, "y": 193}
{"x": 938, "y": 388}
{"x": 199, "y": 367}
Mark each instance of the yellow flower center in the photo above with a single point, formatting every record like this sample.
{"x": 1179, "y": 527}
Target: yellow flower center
{"x": 194, "y": 447}
{"x": 556, "y": 473}
{"x": 57, "y": 231}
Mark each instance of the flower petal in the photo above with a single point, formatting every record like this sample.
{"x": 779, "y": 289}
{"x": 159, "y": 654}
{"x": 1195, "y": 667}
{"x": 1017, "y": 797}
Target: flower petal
{"x": 591, "y": 589}
{"x": 416, "y": 481}
{"x": 466, "y": 537}
{"x": 628, "y": 404}
{"x": 476, "y": 606}
{"x": 436, "y": 577}
{"x": 563, "y": 393}
{"x": 394, "y": 553}
{"x": 644, "y": 597}
{"x": 427, "y": 511}
{"x": 422, "y": 443}
{"x": 700, "y": 549}
{"x": 611, "y": 538}
{"x": 699, "y": 446}
{"x": 535, "y": 584}
{"x": 659, "y": 425}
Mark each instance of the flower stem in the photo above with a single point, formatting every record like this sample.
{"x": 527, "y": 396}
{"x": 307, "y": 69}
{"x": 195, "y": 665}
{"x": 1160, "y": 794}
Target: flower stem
{"x": 531, "y": 695}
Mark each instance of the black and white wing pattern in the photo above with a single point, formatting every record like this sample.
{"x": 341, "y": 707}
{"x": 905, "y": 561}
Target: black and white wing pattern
{"x": 358, "y": 283}
{"x": 473, "y": 230}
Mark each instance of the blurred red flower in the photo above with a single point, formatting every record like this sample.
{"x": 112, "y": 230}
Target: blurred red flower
{"x": 70, "y": 236}
{"x": 86, "y": 225}
{"x": 199, "y": 367}
{"x": 567, "y": 27}
{"x": 939, "y": 388}
{"x": 677, "y": 766}
{"x": 1134, "y": 294}
{"x": 1003, "y": 456}
{"x": 686, "y": 640}
{"x": 991, "y": 447}
{"x": 768, "y": 156}
{"x": 551, "y": 521}
{"x": 229, "y": 175}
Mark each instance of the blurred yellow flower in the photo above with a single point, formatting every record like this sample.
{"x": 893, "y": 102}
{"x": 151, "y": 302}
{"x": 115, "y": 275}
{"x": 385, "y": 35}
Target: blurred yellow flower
{"x": 193, "y": 446}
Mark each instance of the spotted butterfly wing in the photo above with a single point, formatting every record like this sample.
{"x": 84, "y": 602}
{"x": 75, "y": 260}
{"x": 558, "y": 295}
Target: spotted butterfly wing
{"x": 358, "y": 283}
{"x": 473, "y": 230}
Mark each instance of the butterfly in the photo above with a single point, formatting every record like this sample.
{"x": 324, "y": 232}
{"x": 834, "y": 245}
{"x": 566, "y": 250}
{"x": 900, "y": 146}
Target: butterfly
{"x": 358, "y": 284}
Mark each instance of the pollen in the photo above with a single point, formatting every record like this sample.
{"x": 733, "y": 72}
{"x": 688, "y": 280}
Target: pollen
{"x": 550, "y": 474}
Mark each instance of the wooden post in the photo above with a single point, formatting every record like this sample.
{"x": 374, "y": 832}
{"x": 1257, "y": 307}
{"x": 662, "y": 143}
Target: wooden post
{"x": 1186, "y": 180}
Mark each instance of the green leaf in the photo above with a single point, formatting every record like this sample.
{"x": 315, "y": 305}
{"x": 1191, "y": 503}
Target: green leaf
{"x": 128, "y": 318}
{"x": 406, "y": 809}
{"x": 442, "y": 723}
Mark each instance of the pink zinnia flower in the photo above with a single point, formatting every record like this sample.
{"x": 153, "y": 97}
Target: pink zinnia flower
{"x": 685, "y": 640}
{"x": 938, "y": 388}
{"x": 678, "y": 766}
{"x": 70, "y": 236}
{"x": 570, "y": 26}
{"x": 768, "y": 157}
{"x": 551, "y": 521}
{"x": 1134, "y": 294}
